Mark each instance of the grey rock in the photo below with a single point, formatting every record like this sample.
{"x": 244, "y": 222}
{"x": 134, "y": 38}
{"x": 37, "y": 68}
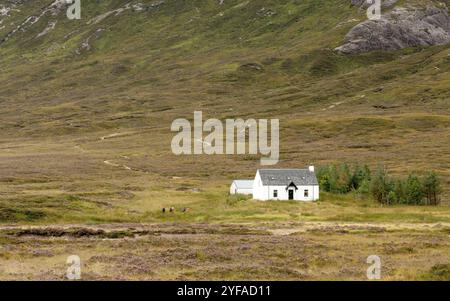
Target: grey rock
{"x": 398, "y": 29}
{"x": 366, "y": 4}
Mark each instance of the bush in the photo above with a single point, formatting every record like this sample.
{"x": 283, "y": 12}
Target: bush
{"x": 360, "y": 176}
{"x": 392, "y": 197}
{"x": 414, "y": 190}
{"x": 381, "y": 186}
{"x": 439, "y": 272}
{"x": 364, "y": 187}
{"x": 400, "y": 191}
{"x": 431, "y": 189}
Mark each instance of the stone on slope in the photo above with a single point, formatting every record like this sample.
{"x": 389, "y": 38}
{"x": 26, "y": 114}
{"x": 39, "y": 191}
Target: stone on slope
{"x": 398, "y": 29}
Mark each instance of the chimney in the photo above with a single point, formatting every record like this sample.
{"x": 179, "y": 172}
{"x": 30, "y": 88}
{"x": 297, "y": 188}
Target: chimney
{"x": 311, "y": 168}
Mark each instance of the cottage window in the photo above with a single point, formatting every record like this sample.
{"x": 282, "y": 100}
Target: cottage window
{"x": 306, "y": 193}
{"x": 275, "y": 193}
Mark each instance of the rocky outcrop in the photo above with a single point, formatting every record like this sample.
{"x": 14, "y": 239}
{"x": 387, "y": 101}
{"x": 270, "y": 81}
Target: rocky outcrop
{"x": 54, "y": 9}
{"x": 365, "y": 3}
{"x": 398, "y": 29}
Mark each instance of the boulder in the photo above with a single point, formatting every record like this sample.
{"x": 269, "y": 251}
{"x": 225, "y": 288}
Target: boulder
{"x": 398, "y": 29}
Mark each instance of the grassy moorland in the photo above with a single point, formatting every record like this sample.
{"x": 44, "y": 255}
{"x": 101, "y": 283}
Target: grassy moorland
{"x": 86, "y": 108}
{"x": 85, "y": 115}
{"x": 287, "y": 251}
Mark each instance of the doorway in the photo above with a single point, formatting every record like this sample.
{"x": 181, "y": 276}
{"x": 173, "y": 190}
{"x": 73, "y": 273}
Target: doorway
{"x": 291, "y": 194}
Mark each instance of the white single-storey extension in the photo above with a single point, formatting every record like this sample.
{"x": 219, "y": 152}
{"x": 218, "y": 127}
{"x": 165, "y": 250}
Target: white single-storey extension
{"x": 242, "y": 187}
{"x": 286, "y": 184}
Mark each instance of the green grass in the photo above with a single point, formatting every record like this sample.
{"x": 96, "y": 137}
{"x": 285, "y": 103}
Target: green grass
{"x": 208, "y": 204}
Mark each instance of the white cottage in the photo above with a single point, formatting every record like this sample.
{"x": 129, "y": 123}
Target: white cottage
{"x": 286, "y": 184}
{"x": 242, "y": 187}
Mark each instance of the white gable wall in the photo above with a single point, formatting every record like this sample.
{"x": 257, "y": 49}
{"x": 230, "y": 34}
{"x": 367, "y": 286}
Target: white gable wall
{"x": 260, "y": 192}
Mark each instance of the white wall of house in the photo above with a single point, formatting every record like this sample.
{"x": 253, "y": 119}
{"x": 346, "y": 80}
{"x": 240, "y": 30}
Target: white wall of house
{"x": 236, "y": 190}
{"x": 266, "y": 193}
{"x": 260, "y": 192}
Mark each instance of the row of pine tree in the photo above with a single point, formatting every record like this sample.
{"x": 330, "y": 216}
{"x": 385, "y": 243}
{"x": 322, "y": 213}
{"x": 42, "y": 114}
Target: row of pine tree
{"x": 386, "y": 189}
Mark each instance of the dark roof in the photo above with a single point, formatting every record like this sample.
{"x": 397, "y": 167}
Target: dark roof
{"x": 281, "y": 177}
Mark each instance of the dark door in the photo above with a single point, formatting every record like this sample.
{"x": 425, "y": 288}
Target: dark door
{"x": 291, "y": 194}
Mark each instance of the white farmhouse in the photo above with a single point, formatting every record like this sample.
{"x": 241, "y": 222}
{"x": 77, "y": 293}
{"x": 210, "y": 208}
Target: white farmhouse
{"x": 242, "y": 187}
{"x": 286, "y": 184}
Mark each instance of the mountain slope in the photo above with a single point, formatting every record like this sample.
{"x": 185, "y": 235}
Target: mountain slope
{"x": 86, "y": 105}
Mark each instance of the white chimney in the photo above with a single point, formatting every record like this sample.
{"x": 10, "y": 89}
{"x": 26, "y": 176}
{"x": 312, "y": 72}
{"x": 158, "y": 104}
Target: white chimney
{"x": 311, "y": 168}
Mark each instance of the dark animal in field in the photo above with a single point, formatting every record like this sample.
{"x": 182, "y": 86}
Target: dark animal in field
{"x": 172, "y": 209}
{"x": 164, "y": 210}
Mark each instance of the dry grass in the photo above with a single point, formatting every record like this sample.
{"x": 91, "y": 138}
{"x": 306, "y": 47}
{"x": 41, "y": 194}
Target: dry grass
{"x": 203, "y": 252}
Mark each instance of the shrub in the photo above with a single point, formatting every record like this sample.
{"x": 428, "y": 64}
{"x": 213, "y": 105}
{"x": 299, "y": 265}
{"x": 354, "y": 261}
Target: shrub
{"x": 392, "y": 197}
{"x": 361, "y": 175}
{"x": 364, "y": 187}
{"x": 400, "y": 192}
{"x": 439, "y": 272}
{"x": 381, "y": 185}
{"x": 431, "y": 189}
{"x": 414, "y": 190}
